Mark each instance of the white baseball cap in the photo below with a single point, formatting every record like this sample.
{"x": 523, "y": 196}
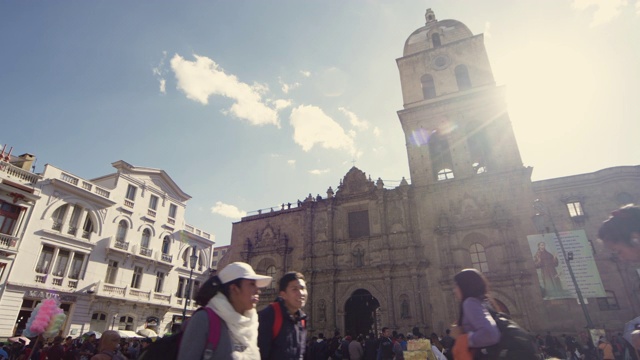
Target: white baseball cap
{"x": 240, "y": 270}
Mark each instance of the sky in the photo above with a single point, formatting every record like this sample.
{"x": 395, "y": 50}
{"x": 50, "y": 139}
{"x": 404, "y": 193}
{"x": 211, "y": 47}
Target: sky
{"x": 251, "y": 104}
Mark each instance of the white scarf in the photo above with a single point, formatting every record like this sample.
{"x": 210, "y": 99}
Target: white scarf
{"x": 242, "y": 328}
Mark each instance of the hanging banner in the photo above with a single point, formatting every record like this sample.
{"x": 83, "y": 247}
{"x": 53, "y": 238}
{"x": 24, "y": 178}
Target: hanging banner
{"x": 553, "y": 273}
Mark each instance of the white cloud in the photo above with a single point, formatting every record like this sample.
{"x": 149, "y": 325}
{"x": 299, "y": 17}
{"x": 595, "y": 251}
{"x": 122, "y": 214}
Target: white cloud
{"x": 354, "y": 120}
{"x": 227, "y": 210}
{"x": 159, "y": 73}
{"x": 376, "y": 131}
{"x": 202, "y": 78}
{"x": 312, "y": 126}
{"x": 291, "y": 162}
{"x": 305, "y": 73}
{"x": 318, "y": 171}
{"x": 281, "y": 104}
{"x": 605, "y": 10}
{"x": 288, "y": 87}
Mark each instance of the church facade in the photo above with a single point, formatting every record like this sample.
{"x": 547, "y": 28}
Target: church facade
{"x": 374, "y": 256}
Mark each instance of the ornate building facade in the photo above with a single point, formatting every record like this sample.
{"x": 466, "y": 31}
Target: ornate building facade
{"x": 374, "y": 256}
{"x": 114, "y": 250}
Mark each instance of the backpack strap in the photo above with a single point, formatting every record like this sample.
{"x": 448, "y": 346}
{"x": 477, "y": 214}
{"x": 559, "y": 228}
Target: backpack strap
{"x": 214, "y": 327}
{"x": 277, "y": 320}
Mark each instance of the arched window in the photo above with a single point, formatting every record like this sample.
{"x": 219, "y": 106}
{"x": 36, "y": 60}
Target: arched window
{"x": 87, "y": 227}
{"x": 126, "y": 323}
{"x": 58, "y": 216}
{"x": 98, "y": 322}
{"x": 146, "y": 235}
{"x": 166, "y": 245}
{"x": 479, "y": 258}
{"x": 462, "y": 77}
{"x": 271, "y": 271}
{"x": 440, "y": 157}
{"x": 121, "y": 235}
{"x": 435, "y": 38}
{"x": 479, "y": 149}
{"x": 428, "y": 86}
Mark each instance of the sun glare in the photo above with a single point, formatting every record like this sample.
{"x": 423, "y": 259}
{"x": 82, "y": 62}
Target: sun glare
{"x": 549, "y": 89}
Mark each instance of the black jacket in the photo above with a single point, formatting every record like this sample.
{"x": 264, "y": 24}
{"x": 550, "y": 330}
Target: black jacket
{"x": 291, "y": 340}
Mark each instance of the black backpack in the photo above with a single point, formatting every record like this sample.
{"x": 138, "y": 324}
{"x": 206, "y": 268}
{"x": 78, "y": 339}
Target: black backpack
{"x": 515, "y": 343}
{"x": 167, "y": 347}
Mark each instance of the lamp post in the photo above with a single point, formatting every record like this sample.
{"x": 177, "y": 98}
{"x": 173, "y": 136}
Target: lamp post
{"x": 542, "y": 210}
{"x": 113, "y": 322}
{"x": 193, "y": 261}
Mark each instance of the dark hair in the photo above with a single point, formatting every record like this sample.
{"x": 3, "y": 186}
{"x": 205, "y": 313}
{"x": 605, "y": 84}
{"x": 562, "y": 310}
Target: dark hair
{"x": 384, "y": 329}
{"x": 211, "y": 287}
{"x": 472, "y": 284}
{"x": 618, "y": 227}
{"x": 289, "y": 277}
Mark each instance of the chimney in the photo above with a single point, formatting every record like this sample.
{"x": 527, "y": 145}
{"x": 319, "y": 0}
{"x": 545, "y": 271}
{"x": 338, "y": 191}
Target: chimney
{"x": 24, "y": 161}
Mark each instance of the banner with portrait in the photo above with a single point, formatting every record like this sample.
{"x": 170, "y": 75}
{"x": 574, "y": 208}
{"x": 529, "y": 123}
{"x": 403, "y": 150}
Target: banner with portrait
{"x": 553, "y": 274}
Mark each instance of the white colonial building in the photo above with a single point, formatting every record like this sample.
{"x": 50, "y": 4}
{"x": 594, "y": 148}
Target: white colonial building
{"x": 114, "y": 250}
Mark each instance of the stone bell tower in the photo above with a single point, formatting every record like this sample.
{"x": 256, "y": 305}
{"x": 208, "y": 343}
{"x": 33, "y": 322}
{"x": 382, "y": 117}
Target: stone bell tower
{"x": 455, "y": 117}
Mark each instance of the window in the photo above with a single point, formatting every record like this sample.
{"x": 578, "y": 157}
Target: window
{"x": 153, "y": 202}
{"x": 73, "y": 221}
{"x": 358, "y": 224}
{"x": 181, "y": 287}
{"x": 445, "y": 174}
{"x": 58, "y": 216}
{"x": 44, "y": 262}
{"x": 131, "y": 192}
{"x": 98, "y": 321}
{"x": 608, "y": 303}
{"x": 137, "y": 277}
{"x": 121, "y": 235}
{"x": 126, "y": 323}
{"x": 479, "y": 258}
{"x": 112, "y": 272}
{"x": 166, "y": 245}
{"x": 271, "y": 271}
{"x": 215, "y": 253}
{"x": 462, "y": 77}
{"x": 76, "y": 266}
{"x": 194, "y": 289}
{"x": 173, "y": 209}
{"x": 428, "y": 87}
{"x": 575, "y": 209}
{"x": 435, "y": 38}
{"x": 405, "y": 312}
{"x": 61, "y": 263}
{"x": 8, "y": 216}
{"x": 146, "y": 235}
{"x": 87, "y": 227}
{"x": 478, "y": 146}
{"x": 159, "y": 281}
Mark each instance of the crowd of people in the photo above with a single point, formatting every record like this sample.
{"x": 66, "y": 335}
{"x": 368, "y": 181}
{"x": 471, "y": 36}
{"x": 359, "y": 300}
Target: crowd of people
{"x": 232, "y": 328}
{"x": 89, "y": 347}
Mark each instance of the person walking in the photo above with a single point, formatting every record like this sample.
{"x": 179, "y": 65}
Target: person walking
{"x": 108, "y": 347}
{"x": 289, "y": 341}
{"x": 232, "y": 295}
{"x": 475, "y": 328}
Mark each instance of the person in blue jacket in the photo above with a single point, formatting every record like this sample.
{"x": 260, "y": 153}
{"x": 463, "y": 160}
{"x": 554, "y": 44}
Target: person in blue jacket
{"x": 282, "y": 331}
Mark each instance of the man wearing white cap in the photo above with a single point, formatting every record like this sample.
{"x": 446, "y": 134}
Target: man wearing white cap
{"x": 232, "y": 295}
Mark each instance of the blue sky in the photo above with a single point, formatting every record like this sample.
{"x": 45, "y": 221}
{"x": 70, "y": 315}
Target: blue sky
{"x": 249, "y": 104}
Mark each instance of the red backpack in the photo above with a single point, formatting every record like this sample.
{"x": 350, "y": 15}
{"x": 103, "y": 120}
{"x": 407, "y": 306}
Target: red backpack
{"x": 277, "y": 321}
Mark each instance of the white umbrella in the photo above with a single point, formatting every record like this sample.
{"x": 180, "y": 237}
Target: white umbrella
{"x": 630, "y": 327}
{"x": 98, "y": 334}
{"x": 22, "y": 339}
{"x": 148, "y": 333}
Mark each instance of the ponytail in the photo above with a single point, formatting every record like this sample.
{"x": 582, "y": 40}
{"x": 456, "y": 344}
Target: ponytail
{"x": 211, "y": 288}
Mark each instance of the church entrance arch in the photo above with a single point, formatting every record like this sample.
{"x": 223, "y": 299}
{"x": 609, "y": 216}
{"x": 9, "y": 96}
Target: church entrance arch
{"x": 361, "y": 313}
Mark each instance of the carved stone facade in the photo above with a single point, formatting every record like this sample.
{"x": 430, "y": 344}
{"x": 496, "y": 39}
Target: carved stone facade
{"x": 469, "y": 205}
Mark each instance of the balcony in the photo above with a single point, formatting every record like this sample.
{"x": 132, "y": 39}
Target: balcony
{"x": 146, "y": 251}
{"x": 151, "y": 212}
{"x": 15, "y": 173}
{"x": 166, "y": 258}
{"x": 86, "y": 234}
{"x": 9, "y": 243}
{"x": 130, "y": 294}
{"x": 128, "y": 203}
{"x": 72, "y": 230}
{"x": 56, "y": 226}
{"x": 122, "y": 245}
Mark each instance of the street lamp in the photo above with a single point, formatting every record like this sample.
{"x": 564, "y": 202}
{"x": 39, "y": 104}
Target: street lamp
{"x": 541, "y": 211}
{"x": 113, "y": 322}
{"x": 193, "y": 261}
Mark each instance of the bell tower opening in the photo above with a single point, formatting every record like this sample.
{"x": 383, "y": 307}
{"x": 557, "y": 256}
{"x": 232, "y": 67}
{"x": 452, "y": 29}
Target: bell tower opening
{"x": 360, "y": 315}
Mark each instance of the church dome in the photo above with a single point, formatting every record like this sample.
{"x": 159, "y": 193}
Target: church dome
{"x": 435, "y": 33}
